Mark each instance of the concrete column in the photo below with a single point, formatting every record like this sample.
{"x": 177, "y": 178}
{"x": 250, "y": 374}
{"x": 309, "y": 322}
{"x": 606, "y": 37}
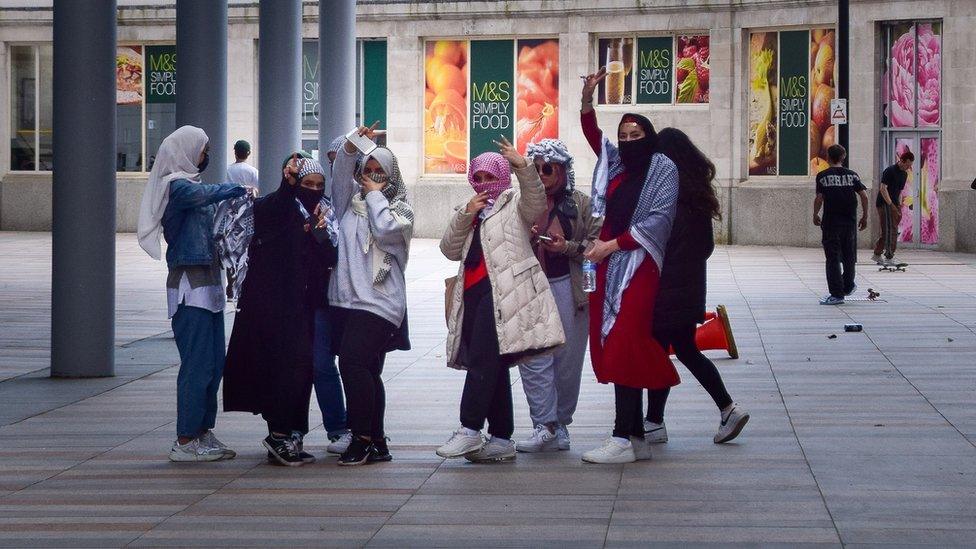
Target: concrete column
{"x": 337, "y": 69}
{"x": 83, "y": 232}
{"x": 280, "y": 87}
{"x": 201, "y": 53}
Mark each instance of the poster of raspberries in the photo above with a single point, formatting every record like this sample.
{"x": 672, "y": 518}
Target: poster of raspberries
{"x": 691, "y": 69}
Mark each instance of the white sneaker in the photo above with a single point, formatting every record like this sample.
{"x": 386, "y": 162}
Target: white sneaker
{"x": 542, "y": 440}
{"x": 562, "y": 437}
{"x": 194, "y": 451}
{"x": 497, "y": 449}
{"x": 461, "y": 442}
{"x": 339, "y": 445}
{"x": 655, "y": 433}
{"x": 614, "y": 450}
{"x": 877, "y": 259}
{"x": 642, "y": 448}
{"x": 210, "y": 439}
{"x": 733, "y": 420}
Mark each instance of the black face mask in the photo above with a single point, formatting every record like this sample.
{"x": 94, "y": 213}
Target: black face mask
{"x": 203, "y": 165}
{"x": 635, "y": 154}
{"x": 310, "y": 198}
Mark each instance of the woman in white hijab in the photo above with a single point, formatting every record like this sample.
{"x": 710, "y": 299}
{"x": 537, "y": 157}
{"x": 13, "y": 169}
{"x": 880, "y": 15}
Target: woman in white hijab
{"x": 179, "y": 207}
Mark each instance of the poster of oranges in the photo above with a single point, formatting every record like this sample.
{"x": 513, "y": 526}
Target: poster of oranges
{"x": 445, "y": 107}
{"x": 822, "y": 90}
{"x": 537, "y": 92}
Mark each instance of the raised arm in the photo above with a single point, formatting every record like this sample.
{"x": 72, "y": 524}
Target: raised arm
{"x": 587, "y": 115}
{"x": 184, "y": 194}
{"x": 343, "y": 180}
{"x": 456, "y": 234}
{"x": 532, "y": 193}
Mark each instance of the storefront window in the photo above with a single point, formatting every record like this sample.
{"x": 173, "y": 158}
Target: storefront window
{"x": 911, "y": 118}
{"x": 45, "y": 108}
{"x": 669, "y": 69}
{"x": 160, "y": 96}
{"x": 371, "y": 98}
{"x": 478, "y": 90}
{"x": 30, "y": 119}
{"x": 792, "y": 79}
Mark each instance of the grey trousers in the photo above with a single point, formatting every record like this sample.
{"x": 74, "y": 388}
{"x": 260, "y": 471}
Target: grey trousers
{"x": 552, "y": 382}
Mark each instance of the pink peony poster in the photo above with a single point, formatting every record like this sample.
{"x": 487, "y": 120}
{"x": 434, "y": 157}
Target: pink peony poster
{"x": 898, "y": 94}
{"x": 929, "y": 75}
{"x": 928, "y": 189}
{"x": 907, "y": 223}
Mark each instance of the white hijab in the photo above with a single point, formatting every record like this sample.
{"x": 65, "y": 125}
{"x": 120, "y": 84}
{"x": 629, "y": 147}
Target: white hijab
{"x": 177, "y": 159}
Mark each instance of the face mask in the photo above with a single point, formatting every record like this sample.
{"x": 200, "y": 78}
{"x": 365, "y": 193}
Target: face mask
{"x": 634, "y": 154}
{"x": 310, "y": 198}
{"x": 203, "y": 165}
{"x": 379, "y": 177}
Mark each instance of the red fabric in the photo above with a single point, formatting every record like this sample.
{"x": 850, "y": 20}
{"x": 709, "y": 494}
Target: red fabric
{"x": 630, "y": 356}
{"x": 594, "y": 136}
{"x": 627, "y": 242}
{"x": 474, "y": 275}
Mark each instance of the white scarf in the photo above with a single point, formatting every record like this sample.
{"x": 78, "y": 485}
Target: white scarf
{"x": 177, "y": 159}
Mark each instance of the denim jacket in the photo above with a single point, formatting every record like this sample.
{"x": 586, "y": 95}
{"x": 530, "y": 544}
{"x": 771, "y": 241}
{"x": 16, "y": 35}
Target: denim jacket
{"x": 189, "y": 220}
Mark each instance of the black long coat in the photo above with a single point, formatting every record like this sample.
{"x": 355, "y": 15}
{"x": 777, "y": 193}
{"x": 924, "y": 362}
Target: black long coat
{"x": 681, "y": 291}
{"x": 287, "y": 279}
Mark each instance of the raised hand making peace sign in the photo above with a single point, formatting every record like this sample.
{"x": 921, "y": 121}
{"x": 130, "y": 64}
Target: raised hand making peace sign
{"x": 508, "y": 151}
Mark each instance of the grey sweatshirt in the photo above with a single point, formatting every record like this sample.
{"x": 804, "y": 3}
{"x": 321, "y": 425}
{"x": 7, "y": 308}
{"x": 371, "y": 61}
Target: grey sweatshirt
{"x": 351, "y": 286}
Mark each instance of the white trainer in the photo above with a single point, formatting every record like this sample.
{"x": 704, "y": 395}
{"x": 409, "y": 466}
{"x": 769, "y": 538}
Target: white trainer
{"x": 734, "y": 419}
{"x": 642, "y": 448}
{"x": 541, "y": 440}
{"x": 655, "y": 433}
{"x": 614, "y": 450}
{"x": 339, "y": 445}
{"x": 194, "y": 451}
{"x": 497, "y": 449}
{"x": 562, "y": 437}
{"x": 210, "y": 439}
{"x": 877, "y": 259}
{"x": 461, "y": 442}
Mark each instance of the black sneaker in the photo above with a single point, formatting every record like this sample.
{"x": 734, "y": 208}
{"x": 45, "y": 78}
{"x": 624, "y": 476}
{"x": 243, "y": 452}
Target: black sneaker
{"x": 299, "y": 439}
{"x": 283, "y": 451}
{"x": 381, "y": 452}
{"x": 358, "y": 452}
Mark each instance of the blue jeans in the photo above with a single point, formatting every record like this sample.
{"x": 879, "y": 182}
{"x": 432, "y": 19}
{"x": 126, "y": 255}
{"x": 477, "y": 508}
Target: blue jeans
{"x": 200, "y": 340}
{"x": 328, "y": 385}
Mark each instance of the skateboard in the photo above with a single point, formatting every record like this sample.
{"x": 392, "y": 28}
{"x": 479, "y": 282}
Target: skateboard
{"x": 892, "y": 268}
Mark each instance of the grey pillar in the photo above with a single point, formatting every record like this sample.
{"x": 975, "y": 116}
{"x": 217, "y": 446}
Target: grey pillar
{"x": 280, "y": 87}
{"x": 337, "y": 69}
{"x": 201, "y": 96}
{"x": 83, "y": 234}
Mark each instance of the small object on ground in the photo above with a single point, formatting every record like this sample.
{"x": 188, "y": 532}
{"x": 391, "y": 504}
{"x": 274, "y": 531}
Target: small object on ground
{"x": 949, "y": 339}
{"x": 893, "y": 267}
{"x": 872, "y": 295}
{"x": 853, "y": 327}
{"x": 832, "y": 336}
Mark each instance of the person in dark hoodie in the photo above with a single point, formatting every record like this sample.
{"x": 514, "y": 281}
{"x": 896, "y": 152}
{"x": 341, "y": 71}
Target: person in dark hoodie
{"x": 269, "y": 360}
{"x": 680, "y": 304}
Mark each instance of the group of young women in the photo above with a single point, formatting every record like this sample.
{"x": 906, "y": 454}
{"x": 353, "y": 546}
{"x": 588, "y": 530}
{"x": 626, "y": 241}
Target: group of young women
{"x": 326, "y": 279}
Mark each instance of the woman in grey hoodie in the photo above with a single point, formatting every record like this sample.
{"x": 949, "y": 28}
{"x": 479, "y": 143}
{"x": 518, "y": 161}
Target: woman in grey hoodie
{"x": 367, "y": 291}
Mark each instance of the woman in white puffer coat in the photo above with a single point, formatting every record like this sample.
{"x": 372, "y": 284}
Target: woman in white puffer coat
{"x": 502, "y": 309}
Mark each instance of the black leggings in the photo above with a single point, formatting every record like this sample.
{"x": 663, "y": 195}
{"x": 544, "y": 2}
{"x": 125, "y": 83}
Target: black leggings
{"x": 682, "y": 339}
{"x": 628, "y": 421}
{"x": 362, "y": 341}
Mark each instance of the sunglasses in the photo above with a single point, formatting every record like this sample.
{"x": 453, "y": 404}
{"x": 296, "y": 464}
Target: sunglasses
{"x": 545, "y": 169}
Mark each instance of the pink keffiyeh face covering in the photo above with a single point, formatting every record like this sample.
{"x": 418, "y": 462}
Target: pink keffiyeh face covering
{"x": 489, "y": 172}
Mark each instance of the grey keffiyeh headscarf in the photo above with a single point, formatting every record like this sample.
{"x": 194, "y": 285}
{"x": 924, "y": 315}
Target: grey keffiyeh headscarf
{"x": 395, "y": 192}
{"x": 554, "y": 151}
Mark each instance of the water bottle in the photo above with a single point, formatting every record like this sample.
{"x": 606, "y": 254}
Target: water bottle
{"x": 589, "y": 276}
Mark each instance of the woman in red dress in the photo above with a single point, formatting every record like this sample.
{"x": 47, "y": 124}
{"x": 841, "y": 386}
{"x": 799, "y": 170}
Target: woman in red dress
{"x": 636, "y": 189}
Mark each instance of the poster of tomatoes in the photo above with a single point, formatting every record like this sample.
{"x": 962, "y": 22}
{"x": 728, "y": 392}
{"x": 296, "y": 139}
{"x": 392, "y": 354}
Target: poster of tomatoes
{"x": 537, "y": 92}
{"x": 822, "y": 90}
{"x": 445, "y": 107}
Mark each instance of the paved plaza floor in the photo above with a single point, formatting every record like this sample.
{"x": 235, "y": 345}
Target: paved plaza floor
{"x": 862, "y": 438}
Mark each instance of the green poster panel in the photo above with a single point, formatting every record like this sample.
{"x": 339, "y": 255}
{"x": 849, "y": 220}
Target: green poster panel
{"x": 794, "y": 101}
{"x": 492, "y": 105}
{"x": 374, "y": 82}
{"x": 160, "y": 78}
{"x": 655, "y": 60}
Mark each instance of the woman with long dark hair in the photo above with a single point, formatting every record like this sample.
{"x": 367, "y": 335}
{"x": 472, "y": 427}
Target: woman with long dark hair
{"x": 636, "y": 187}
{"x": 680, "y": 305}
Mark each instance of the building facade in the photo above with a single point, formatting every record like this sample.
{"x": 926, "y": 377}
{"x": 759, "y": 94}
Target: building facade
{"x": 751, "y": 81}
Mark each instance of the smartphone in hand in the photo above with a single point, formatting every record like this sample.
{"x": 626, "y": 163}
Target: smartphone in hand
{"x": 363, "y": 143}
